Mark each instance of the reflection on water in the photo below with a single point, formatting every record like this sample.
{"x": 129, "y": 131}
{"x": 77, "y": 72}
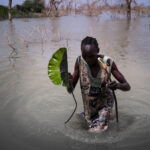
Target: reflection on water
{"x": 33, "y": 110}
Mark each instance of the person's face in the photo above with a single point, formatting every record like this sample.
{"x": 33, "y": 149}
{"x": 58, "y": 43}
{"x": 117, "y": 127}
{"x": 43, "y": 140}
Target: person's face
{"x": 89, "y": 53}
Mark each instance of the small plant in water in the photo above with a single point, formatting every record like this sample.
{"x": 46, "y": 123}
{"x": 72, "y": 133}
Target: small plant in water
{"x": 13, "y": 53}
{"x": 43, "y": 35}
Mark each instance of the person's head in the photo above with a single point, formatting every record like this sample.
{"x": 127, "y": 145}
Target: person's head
{"x": 89, "y": 50}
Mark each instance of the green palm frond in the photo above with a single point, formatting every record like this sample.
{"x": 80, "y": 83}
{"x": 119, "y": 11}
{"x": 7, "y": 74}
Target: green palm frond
{"x": 58, "y": 67}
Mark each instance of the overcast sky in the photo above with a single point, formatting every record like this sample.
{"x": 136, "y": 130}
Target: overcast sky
{"x": 14, "y": 2}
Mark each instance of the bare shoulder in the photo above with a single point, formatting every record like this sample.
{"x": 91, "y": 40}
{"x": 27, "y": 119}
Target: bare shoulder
{"x": 114, "y": 66}
{"x": 77, "y": 62}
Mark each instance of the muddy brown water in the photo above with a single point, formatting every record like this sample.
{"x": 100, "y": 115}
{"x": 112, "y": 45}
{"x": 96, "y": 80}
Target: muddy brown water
{"x": 33, "y": 110}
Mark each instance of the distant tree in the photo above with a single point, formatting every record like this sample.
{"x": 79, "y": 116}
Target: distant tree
{"x": 128, "y": 3}
{"x": 3, "y": 12}
{"x": 9, "y": 10}
{"x": 128, "y": 6}
{"x": 92, "y": 5}
{"x": 32, "y": 6}
{"x": 54, "y": 4}
{"x": 44, "y": 2}
{"x": 18, "y": 7}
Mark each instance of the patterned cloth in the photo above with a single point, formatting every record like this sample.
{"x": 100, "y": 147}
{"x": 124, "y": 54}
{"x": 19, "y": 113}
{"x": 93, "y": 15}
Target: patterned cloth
{"x": 101, "y": 122}
{"x": 96, "y": 107}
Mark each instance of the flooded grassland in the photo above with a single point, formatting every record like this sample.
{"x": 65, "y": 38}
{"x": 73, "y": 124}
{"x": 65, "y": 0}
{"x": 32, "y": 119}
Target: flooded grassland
{"x": 33, "y": 110}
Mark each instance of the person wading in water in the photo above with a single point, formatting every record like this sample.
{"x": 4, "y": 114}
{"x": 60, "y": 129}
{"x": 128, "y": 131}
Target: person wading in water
{"x": 95, "y": 84}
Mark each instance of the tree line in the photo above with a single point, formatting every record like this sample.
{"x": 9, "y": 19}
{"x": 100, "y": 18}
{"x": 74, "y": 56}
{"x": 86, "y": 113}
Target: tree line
{"x": 37, "y": 6}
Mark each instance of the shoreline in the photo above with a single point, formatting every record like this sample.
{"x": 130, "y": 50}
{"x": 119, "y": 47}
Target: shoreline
{"x": 114, "y": 11}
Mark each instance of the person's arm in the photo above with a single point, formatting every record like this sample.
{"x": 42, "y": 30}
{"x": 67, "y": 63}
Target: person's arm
{"x": 122, "y": 84}
{"x": 73, "y": 79}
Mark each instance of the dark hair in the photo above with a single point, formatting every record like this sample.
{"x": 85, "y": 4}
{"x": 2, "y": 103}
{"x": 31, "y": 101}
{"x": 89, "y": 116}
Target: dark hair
{"x": 90, "y": 40}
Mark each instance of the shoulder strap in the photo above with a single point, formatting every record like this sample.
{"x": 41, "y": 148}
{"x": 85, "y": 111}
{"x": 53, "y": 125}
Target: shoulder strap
{"x": 105, "y": 58}
{"x": 106, "y": 63}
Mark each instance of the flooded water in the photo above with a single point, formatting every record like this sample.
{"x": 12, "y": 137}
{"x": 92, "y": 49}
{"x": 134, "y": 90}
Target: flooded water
{"x": 33, "y": 110}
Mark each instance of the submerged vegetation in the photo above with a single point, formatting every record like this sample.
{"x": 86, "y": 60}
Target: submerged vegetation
{"x": 38, "y": 8}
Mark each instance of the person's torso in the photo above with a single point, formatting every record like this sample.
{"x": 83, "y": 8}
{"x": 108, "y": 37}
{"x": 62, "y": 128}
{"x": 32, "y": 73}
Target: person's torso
{"x": 94, "y": 92}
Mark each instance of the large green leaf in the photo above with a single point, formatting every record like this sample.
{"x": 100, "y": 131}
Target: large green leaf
{"x": 58, "y": 67}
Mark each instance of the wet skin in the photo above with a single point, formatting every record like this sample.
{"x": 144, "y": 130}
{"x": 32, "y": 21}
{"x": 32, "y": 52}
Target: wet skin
{"x": 90, "y": 55}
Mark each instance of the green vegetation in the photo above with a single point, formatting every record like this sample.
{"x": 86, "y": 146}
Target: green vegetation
{"x": 27, "y": 9}
{"x": 31, "y": 6}
{"x": 58, "y": 67}
{"x": 3, "y": 12}
{"x": 35, "y": 8}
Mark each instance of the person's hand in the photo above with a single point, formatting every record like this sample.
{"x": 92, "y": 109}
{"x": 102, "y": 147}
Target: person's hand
{"x": 113, "y": 85}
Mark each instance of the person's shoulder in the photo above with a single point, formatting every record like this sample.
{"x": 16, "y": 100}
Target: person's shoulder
{"x": 78, "y": 60}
